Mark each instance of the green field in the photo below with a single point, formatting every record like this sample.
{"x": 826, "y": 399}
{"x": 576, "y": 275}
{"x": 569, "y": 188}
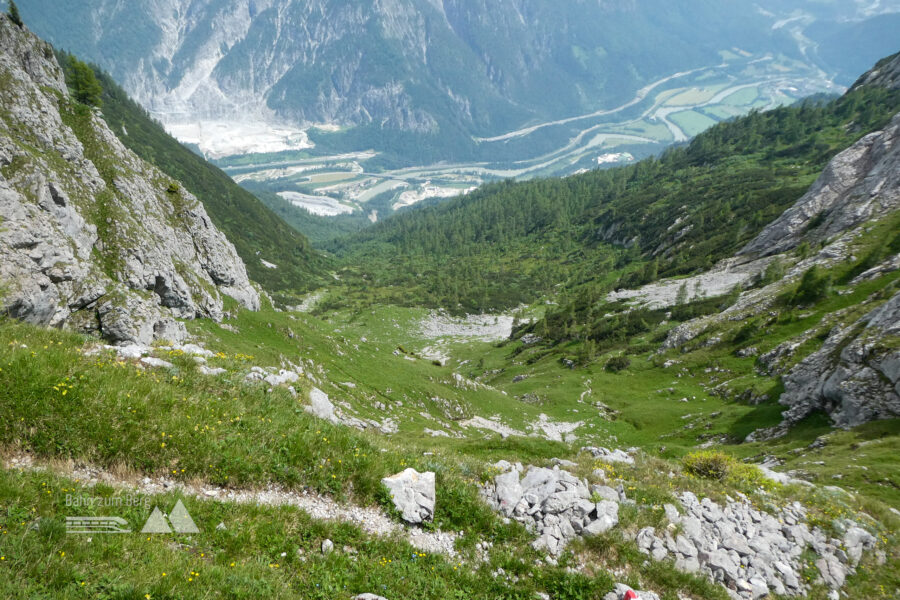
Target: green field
{"x": 692, "y": 122}
{"x": 694, "y": 96}
{"x": 743, "y": 97}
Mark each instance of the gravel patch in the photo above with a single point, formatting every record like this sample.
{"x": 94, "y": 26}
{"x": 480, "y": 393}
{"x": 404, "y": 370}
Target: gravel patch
{"x": 486, "y": 328}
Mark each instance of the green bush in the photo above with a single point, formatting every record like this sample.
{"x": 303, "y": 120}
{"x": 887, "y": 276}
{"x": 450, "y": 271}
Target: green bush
{"x": 709, "y": 464}
{"x": 83, "y": 83}
{"x": 745, "y": 333}
{"x": 814, "y": 286}
{"x": 718, "y": 466}
{"x": 617, "y": 364}
{"x": 774, "y": 272}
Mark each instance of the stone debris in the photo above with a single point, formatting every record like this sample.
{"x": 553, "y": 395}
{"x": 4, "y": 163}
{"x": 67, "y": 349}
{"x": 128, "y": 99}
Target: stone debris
{"x": 413, "y": 494}
{"x": 211, "y": 371}
{"x": 141, "y": 352}
{"x": 551, "y": 502}
{"x": 321, "y": 406}
{"x": 327, "y": 546}
{"x": 609, "y": 456}
{"x": 751, "y": 552}
{"x": 487, "y": 328}
{"x": 156, "y": 362}
{"x": 369, "y": 597}
{"x": 494, "y": 424}
{"x": 555, "y": 431}
{"x": 782, "y": 478}
{"x": 436, "y": 432}
{"x": 272, "y": 379}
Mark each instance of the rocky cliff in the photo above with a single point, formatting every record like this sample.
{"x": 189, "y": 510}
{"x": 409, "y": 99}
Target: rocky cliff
{"x": 885, "y": 74}
{"x": 854, "y": 376}
{"x": 860, "y": 184}
{"x": 90, "y": 235}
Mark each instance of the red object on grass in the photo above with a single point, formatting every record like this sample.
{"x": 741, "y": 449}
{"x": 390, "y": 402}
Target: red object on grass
{"x": 630, "y": 595}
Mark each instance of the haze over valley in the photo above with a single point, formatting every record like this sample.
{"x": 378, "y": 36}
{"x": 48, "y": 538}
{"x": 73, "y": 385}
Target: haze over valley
{"x": 360, "y": 109}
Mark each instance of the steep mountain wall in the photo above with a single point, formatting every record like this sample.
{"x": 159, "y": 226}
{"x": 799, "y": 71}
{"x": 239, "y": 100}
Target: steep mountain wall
{"x": 855, "y": 376}
{"x": 90, "y": 235}
{"x": 416, "y": 65}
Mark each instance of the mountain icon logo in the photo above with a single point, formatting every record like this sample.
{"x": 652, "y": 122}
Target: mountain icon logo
{"x": 180, "y": 519}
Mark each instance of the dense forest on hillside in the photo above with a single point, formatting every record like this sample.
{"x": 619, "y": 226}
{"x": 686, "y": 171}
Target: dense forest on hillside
{"x": 509, "y": 243}
{"x": 256, "y": 232}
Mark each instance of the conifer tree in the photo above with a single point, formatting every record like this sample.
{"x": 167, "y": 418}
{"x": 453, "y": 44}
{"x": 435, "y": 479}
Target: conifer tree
{"x": 84, "y": 84}
{"x": 14, "y": 14}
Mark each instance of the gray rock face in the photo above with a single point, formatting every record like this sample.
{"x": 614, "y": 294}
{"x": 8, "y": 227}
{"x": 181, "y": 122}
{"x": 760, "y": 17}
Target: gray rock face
{"x": 321, "y": 406}
{"x": 553, "y": 503}
{"x": 859, "y": 184}
{"x": 752, "y": 552}
{"x": 886, "y": 74}
{"x": 413, "y": 494}
{"x": 854, "y": 377}
{"x": 91, "y": 236}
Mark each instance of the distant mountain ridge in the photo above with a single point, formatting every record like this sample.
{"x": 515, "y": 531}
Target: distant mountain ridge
{"x": 422, "y": 66}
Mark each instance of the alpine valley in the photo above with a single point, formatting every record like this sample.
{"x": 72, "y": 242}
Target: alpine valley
{"x": 353, "y": 110}
{"x": 672, "y": 378}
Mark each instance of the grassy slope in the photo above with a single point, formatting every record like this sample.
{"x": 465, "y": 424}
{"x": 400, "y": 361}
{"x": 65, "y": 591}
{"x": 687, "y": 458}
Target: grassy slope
{"x": 225, "y": 432}
{"x": 256, "y": 231}
{"x": 222, "y": 431}
{"x": 273, "y": 441}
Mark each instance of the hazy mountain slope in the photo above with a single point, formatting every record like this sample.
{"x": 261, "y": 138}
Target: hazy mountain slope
{"x": 847, "y": 48}
{"x": 414, "y": 65}
{"x": 90, "y": 235}
{"x": 257, "y": 233}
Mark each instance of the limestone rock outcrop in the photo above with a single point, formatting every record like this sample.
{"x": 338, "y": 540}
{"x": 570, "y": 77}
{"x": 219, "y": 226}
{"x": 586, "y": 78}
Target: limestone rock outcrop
{"x": 855, "y": 376}
{"x": 751, "y": 552}
{"x": 413, "y": 494}
{"x": 91, "y": 236}
{"x": 553, "y": 503}
{"x": 860, "y": 184}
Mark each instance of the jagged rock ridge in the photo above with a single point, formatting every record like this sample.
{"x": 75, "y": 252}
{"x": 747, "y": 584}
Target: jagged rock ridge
{"x": 860, "y": 184}
{"x": 90, "y": 235}
{"x": 886, "y": 74}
